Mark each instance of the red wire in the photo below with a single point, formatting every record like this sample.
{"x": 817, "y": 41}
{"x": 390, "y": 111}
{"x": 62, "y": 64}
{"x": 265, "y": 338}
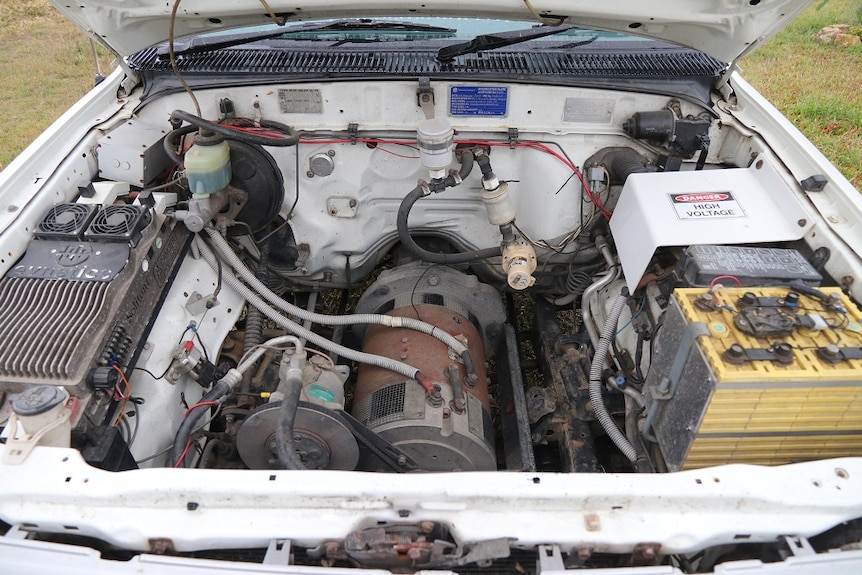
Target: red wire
{"x": 726, "y": 277}
{"x": 195, "y": 406}
{"x": 539, "y": 146}
{"x": 183, "y": 454}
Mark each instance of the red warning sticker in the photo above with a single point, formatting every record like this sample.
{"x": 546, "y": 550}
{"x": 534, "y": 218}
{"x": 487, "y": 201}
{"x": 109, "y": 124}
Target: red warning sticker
{"x": 706, "y": 206}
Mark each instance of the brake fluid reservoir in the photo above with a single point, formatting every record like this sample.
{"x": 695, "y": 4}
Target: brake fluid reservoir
{"x": 207, "y": 165}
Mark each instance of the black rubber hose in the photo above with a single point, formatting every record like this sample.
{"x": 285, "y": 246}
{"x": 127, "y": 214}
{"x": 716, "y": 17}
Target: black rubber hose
{"x": 411, "y": 198}
{"x": 172, "y": 140}
{"x": 423, "y": 254}
{"x": 291, "y": 139}
{"x": 284, "y": 432}
{"x": 191, "y": 420}
{"x": 485, "y": 165}
{"x": 467, "y": 159}
{"x": 623, "y": 163}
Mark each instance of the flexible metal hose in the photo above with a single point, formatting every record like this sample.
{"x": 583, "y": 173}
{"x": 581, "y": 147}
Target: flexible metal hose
{"x": 594, "y": 288}
{"x": 225, "y": 252}
{"x": 296, "y": 329}
{"x": 596, "y": 368}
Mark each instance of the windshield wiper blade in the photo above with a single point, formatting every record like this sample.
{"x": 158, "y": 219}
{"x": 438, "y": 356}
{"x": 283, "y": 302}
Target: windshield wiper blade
{"x": 210, "y": 43}
{"x": 498, "y": 40}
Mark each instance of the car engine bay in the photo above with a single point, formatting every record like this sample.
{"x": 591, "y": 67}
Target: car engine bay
{"x": 389, "y": 277}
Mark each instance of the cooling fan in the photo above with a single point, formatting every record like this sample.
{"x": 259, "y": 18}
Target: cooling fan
{"x": 117, "y": 222}
{"x": 65, "y": 221}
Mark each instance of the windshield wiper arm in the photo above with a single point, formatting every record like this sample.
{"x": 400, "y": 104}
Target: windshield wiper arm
{"x": 498, "y": 40}
{"x": 209, "y": 43}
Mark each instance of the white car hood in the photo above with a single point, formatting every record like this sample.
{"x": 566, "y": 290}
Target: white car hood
{"x": 724, "y": 29}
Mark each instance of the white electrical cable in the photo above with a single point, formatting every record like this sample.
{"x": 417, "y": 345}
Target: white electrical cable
{"x": 227, "y": 255}
{"x": 296, "y": 329}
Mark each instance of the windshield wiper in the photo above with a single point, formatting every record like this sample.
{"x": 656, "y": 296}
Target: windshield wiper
{"x": 209, "y": 43}
{"x": 498, "y": 40}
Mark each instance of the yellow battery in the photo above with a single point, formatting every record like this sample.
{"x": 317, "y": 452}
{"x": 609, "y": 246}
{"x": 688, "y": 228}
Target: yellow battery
{"x": 756, "y": 375}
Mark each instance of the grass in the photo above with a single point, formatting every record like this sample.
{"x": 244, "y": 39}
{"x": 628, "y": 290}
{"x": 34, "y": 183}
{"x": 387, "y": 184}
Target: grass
{"x": 817, "y": 86}
{"x": 46, "y": 65}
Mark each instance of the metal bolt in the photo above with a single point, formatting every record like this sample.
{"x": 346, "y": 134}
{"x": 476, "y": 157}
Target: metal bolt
{"x": 833, "y": 219}
{"x": 330, "y": 153}
{"x": 433, "y": 280}
{"x": 802, "y": 223}
{"x": 309, "y": 173}
{"x": 402, "y": 460}
{"x": 352, "y": 203}
{"x": 736, "y": 350}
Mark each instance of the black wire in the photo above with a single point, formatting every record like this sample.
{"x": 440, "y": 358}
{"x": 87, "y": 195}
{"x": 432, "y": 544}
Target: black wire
{"x": 195, "y": 331}
{"x": 569, "y": 179}
{"x": 218, "y": 283}
{"x": 150, "y": 373}
{"x": 416, "y": 286}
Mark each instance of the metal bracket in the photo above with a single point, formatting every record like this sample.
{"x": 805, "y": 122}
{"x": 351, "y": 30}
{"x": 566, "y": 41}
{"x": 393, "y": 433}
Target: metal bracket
{"x": 277, "y": 552}
{"x": 778, "y": 352}
{"x": 425, "y": 98}
{"x": 513, "y": 137}
{"x": 550, "y": 559}
{"x": 799, "y": 546}
{"x": 667, "y": 385}
{"x": 834, "y": 354}
{"x": 353, "y": 132}
{"x": 199, "y": 303}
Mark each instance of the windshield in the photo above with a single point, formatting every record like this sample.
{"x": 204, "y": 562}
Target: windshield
{"x": 437, "y": 31}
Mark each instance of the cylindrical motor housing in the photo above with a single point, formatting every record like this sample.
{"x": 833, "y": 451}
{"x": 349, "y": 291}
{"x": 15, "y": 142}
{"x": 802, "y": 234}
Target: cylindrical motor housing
{"x": 456, "y": 435}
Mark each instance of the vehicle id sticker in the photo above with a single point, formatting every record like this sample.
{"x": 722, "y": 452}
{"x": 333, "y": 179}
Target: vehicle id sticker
{"x": 300, "y": 102}
{"x": 706, "y": 206}
{"x": 478, "y": 101}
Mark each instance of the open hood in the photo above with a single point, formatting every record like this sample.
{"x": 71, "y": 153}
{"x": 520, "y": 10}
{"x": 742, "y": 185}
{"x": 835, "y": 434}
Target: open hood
{"x": 724, "y": 29}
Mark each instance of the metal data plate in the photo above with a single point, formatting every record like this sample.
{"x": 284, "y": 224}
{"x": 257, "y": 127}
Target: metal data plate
{"x": 732, "y": 206}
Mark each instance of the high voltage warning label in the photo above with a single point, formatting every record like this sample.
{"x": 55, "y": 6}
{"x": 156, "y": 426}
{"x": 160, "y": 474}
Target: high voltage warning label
{"x": 707, "y": 206}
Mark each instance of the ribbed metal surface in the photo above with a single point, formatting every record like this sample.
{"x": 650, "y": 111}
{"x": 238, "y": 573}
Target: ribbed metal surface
{"x": 43, "y": 322}
{"x": 662, "y": 63}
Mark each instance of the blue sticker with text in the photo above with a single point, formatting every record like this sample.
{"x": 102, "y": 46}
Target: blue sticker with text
{"x": 478, "y": 100}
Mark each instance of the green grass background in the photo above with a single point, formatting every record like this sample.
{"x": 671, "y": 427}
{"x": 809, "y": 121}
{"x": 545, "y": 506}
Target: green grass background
{"x": 46, "y": 64}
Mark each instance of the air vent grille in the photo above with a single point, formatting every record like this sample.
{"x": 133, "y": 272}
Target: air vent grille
{"x": 657, "y": 63}
{"x": 117, "y": 222}
{"x": 65, "y": 221}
